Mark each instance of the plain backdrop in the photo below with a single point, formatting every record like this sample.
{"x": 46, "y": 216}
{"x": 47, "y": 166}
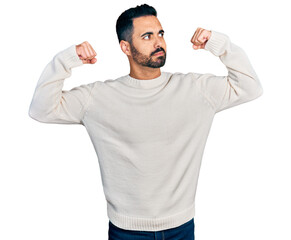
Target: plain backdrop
{"x": 50, "y": 184}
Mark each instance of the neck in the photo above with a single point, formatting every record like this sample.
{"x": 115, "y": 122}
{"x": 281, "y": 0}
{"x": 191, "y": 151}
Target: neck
{"x": 144, "y": 73}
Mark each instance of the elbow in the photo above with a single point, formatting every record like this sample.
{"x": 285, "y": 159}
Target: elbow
{"x": 34, "y": 114}
{"x": 31, "y": 112}
{"x": 259, "y": 90}
{"x": 253, "y": 87}
{"x": 38, "y": 115}
{"x": 256, "y": 93}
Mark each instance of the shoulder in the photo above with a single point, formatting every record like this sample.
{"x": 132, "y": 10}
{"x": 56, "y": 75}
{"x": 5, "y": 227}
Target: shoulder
{"x": 190, "y": 76}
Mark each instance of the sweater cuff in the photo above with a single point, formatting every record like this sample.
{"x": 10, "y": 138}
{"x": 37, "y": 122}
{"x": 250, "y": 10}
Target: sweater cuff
{"x": 70, "y": 57}
{"x": 217, "y": 43}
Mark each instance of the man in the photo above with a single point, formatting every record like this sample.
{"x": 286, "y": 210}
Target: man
{"x": 149, "y": 128}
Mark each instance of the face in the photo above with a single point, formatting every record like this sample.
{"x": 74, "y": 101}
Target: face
{"x": 148, "y": 46}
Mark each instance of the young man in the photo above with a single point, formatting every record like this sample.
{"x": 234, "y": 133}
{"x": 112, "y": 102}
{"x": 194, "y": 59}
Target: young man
{"x": 149, "y": 128}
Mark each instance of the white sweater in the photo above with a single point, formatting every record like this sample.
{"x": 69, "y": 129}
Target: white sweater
{"x": 149, "y": 135}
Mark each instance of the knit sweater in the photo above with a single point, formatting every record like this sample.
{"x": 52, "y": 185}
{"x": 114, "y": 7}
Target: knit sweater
{"x": 149, "y": 135}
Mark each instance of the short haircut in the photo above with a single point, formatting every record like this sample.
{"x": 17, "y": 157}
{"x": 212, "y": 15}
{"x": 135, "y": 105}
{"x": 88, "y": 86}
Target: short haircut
{"x": 124, "y": 23}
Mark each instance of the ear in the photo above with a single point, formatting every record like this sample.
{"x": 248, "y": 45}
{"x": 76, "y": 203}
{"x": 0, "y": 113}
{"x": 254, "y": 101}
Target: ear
{"x": 125, "y": 47}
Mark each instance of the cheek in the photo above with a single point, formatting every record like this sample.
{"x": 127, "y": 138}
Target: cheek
{"x": 147, "y": 49}
{"x": 144, "y": 47}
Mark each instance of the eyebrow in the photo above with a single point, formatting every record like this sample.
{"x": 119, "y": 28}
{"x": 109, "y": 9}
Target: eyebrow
{"x": 161, "y": 31}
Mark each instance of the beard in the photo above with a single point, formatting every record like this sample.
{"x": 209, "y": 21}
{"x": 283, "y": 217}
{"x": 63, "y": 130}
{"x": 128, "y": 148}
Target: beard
{"x": 148, "y": 61}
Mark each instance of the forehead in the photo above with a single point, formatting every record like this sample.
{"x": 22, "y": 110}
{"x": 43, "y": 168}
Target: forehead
{"x": 145, "y": 24}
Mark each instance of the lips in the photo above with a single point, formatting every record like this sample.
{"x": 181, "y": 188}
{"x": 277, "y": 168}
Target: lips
{"x": 159, "y": 53}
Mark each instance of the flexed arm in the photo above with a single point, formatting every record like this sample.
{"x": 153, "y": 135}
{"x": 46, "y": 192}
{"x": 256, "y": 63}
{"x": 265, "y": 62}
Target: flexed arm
{"x": 239, "y": 86}
{"x": 51, "y": 104}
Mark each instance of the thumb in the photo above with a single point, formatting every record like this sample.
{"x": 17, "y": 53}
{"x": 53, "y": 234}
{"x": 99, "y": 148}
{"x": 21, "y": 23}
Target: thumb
{"x": 90, "y": 61}
{"x": 93, "y": 60}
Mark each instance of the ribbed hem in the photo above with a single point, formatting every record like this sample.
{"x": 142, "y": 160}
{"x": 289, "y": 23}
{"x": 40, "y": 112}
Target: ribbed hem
{"x": 217, "y": 43}
{"x": 150, "y": 224}
{"x": 70, "y": 57}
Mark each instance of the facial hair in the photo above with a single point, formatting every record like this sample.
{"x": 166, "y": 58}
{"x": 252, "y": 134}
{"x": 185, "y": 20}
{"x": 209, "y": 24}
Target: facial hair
{"x": 148, "y": 61}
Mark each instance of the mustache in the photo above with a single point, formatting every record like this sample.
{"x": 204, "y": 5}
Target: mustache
{"x": 158, "y": 50}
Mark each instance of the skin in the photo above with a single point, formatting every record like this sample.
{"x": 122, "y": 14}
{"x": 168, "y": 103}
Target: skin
{"x": 145, "y": 45}
{"x": 144, "y": 64}
{"x": 86, "y": 53}
{"x": 200, "y": 38}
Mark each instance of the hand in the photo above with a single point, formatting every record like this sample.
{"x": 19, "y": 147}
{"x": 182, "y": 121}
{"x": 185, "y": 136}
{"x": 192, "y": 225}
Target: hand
{"x": 86, "y": 53}
{"x": 200, "y": 38}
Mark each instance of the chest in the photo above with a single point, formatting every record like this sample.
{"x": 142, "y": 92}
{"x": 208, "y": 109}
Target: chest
{"x": 160, "y": 117}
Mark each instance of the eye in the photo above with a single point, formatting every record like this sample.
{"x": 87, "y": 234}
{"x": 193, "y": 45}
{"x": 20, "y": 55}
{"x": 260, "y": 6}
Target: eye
{"x": 146, "y": 36}
{"x": 162, "y": 34}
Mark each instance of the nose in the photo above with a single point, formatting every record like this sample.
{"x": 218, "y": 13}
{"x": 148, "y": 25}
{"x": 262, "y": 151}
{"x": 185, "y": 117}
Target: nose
{"x": 158, "y": 42}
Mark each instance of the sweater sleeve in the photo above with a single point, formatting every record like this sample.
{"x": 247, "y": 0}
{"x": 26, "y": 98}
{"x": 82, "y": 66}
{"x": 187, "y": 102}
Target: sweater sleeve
{"x": 239, "y": 86}
{"x": 51, "y": 104}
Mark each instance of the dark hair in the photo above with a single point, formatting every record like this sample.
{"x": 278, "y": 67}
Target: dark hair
{"x": 124, "y": 23}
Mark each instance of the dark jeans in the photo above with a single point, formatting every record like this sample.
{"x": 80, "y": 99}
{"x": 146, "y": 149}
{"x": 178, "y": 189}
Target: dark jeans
{"x": 183, "y": 232}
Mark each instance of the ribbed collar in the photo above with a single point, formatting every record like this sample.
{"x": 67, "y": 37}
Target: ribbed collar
{"x": 146, "y": 84}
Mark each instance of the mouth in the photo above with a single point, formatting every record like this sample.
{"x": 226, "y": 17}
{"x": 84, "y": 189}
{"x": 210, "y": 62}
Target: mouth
{"x": 159, "y": 53}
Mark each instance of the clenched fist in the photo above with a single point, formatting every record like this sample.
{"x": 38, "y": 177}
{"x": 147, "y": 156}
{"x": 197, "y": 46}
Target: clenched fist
{"x": 86, "y": 53}
{"x": 200, "y": 38}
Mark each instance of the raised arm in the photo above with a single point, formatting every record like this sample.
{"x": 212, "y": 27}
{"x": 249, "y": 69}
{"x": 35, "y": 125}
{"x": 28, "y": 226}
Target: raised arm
{"x": 51, "y": 104}
{"x": 239, "y": 86}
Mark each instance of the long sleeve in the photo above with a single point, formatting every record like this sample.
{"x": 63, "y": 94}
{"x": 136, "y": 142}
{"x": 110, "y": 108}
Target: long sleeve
{"x": 51, "y": 104}
{"x": 239, "y": 86}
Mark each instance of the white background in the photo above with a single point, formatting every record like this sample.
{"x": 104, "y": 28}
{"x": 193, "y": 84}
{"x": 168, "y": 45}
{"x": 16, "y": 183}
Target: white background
{"x": 50, "y": 184}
